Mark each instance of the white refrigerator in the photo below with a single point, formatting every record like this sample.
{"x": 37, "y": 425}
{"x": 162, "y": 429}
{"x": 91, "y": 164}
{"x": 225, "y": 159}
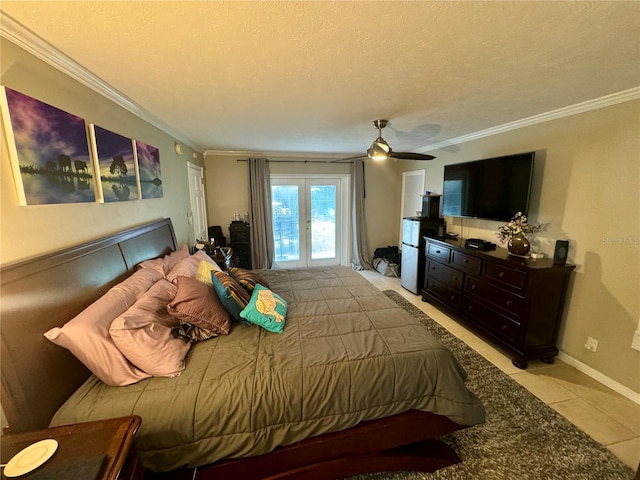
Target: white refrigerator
{"x": 412, "y": 266}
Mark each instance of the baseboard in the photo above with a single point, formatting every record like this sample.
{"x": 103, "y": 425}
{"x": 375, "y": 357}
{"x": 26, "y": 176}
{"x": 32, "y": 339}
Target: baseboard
{"x": 596, "y": 375}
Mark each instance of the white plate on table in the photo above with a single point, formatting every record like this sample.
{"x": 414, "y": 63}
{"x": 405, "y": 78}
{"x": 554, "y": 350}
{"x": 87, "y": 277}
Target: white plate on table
{"x": 30, "y": 458}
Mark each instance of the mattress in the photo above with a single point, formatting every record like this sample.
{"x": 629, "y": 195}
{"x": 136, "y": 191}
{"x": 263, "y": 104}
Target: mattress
{"x": 347, "y": 354}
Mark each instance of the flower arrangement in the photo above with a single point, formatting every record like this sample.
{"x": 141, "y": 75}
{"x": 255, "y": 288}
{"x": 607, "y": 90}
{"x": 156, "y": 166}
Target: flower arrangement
{"x": 517, "y": 225}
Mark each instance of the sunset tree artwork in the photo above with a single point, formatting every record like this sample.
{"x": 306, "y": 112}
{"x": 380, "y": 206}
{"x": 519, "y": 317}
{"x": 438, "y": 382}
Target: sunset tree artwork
{"x": 148, "y": 161}
{"x": 119, "y": 179}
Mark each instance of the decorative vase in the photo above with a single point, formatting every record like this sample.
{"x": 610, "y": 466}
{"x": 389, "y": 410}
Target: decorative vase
{"x": 518, "y": 245}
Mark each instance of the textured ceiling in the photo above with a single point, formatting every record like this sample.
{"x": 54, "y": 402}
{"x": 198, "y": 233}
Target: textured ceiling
{"x": 305, "y": 76}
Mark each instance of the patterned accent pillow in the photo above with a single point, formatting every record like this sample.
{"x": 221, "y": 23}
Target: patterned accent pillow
{"x": 192, "y": 333}
{"x": 195, "y": 303}
{"x": 266, "y": 309}
{"x": 232, "y": 295}
{"x": 247, "y": 278}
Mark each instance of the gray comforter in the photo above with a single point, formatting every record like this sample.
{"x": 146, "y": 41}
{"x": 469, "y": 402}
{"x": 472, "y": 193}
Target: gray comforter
{"x": 348, "y": 354}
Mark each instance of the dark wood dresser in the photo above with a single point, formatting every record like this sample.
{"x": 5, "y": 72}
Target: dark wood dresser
{"x": 240, "y": 240}
{"x": 515, "y": 302}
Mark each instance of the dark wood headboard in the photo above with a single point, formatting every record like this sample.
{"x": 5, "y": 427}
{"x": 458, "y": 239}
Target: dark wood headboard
{"x": 41, "y": 293}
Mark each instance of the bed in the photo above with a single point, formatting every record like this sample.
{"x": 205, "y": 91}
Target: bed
{"x": 352, "y": 385}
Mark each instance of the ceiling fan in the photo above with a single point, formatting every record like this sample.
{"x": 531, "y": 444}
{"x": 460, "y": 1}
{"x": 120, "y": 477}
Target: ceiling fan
{"x": 380, "y": 149}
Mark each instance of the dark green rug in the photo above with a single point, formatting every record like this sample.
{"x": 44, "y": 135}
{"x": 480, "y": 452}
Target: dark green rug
{"x": 522, "y": 438}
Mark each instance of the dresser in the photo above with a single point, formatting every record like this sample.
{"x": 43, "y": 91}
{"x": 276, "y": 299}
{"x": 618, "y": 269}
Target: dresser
{"x": 515, "y": 302}
{"x": 240, "y": 240}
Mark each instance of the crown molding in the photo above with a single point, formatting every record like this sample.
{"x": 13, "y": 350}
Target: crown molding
{"x": 20, "y": 35}
{"x": 243, "y": 154}
{"x": 606, "y": 101}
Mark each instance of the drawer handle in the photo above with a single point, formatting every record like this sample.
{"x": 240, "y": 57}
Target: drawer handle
{"x": 466, "y": 261}
{"x": 473, "y": 287}
{"x": 509, "y": 303}
{"x": 455, "y": 277}
{"x": 433, "y": 268}
{"x": 453, "y": 297}
{"x": 470, "y": 308}
{"x": 501, "y": 274}
{"x": 505, "y": 328}
{"x": 438, "y": 251}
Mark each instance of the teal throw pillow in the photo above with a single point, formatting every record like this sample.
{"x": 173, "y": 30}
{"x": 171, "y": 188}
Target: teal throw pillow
{"x": 232, "y": 295}
{"x": 266, "y": 309}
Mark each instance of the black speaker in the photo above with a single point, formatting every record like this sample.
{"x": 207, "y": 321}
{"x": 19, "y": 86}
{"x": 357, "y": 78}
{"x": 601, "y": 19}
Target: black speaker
{"x": 561, "y": 252}
{"x": 431, "y": 206}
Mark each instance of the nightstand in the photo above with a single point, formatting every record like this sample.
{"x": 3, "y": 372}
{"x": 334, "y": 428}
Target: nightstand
{"x": 104, "y": 446}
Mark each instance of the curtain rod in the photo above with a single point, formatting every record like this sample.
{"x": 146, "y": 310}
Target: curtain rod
{"x": 294, "y": 161}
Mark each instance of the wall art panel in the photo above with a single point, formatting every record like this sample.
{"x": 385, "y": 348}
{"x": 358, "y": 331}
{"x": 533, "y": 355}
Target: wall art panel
{"x": 49, "y": 152}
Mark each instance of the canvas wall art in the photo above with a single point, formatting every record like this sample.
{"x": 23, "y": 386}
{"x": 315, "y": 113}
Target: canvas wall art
{"x": 119, "y": 180}
{"x": 148, "y": 160}
{"x": 49, "y": 152}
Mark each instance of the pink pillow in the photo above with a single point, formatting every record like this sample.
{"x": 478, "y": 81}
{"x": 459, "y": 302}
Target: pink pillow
{"x": 197, "y": 304}
{"x": 165, "y": 264}
{"x": 143, "y": 333}
{"x": 87, "y": 334}
{"x": 188, "y": 267}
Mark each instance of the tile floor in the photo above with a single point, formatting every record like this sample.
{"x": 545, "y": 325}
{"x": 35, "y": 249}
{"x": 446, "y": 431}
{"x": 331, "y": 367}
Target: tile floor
{"x": 608, "y": 417}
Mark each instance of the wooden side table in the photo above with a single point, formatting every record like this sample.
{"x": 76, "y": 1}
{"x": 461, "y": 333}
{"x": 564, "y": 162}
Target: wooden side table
{"x": 81, "y": 447}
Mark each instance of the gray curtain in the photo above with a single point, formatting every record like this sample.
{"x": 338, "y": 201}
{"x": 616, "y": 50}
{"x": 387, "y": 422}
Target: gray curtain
{"x": 360, "y": 254}
{"x": 262, "y": 247}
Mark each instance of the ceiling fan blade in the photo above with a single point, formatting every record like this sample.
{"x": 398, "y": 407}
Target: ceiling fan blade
{"x": 410, "y": 156}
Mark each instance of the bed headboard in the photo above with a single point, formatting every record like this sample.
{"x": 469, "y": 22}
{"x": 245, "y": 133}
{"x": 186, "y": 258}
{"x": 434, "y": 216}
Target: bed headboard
{"x": 44, "y": 292}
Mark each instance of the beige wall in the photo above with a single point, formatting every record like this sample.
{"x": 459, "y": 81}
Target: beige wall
{"x": 227, "y": 192}
{"x": 30, "y": 230}
{"x": 586, "y": 189}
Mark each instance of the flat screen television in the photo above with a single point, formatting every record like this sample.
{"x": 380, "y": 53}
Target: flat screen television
{"x": 490, "y": 189}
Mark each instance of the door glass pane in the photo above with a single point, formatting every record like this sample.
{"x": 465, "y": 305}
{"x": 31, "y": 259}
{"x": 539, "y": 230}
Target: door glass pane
{"x": 284, "y": 202}
{"x": 323, "y": 221}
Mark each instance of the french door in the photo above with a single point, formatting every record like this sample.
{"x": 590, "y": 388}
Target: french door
{"x": 310, "y": 216}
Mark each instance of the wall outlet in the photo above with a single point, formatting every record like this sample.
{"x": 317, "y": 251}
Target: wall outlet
{"x": 592, "y": 344}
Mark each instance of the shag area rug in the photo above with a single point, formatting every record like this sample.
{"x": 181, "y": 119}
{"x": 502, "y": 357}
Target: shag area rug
{"x": 522, "y": 437}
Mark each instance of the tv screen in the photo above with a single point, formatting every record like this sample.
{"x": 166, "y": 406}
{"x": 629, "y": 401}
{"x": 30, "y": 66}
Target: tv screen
{"x": 491, "y": 189}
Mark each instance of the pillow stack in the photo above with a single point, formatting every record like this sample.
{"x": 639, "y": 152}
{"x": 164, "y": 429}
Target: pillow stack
{"x": 145, "y": 326}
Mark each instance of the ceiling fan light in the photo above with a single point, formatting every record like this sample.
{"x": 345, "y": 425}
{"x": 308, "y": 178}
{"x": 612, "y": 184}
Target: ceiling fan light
{"x": 381, "y": 144}
{"x": 379, "y": 150}
{"x": 377, "y": 154}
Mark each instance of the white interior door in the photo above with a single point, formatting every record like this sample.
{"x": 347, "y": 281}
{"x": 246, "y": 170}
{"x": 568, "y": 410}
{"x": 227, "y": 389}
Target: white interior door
{"x": 197, "y": 217}
{"x": 309, "y": 219}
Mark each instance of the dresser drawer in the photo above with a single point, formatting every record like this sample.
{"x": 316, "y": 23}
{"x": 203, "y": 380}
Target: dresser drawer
{"x": 490, "y": 319}
{"x": 445, "y": 275}
{"x": 509, "y": 276}
{"x": 448, "y": 295}
{"x": 509, "y": 301}
{"x": 436, "y": 251}
{"x": 466, "y": 262}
